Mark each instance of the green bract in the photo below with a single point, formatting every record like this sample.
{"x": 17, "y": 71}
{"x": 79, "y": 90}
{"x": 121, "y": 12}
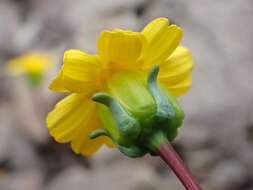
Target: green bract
{"x": 138, "y": 114}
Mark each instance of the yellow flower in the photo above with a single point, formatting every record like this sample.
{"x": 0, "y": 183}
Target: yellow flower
{"x": 75, "y": 117}
{"x": 32, "y": 62}
{"x": 33, "y": 65}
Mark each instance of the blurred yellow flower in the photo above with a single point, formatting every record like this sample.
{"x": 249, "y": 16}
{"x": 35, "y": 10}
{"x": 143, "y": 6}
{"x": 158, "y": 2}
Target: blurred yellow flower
{"x": 75, "y": 117}
{"x": 32, "y": 62}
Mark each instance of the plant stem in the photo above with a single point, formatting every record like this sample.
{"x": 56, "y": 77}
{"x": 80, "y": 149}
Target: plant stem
{"x": 169, "y": 155}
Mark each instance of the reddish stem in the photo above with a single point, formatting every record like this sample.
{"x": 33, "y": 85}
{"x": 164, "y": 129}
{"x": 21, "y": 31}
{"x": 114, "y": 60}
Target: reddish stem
{"x": 169, "y": 155}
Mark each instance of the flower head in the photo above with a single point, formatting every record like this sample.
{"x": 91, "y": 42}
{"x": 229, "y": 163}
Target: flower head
{"x": 32, "y": 64}
{"x": 120, "y": 69}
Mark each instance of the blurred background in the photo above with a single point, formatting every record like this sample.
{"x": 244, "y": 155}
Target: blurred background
{"x": 216, "y": 139}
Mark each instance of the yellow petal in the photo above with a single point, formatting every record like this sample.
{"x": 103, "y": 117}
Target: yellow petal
{"x": 81, "y": 144}
{"x": 162, "y": 41}
{"x": 180, "y": 87}
{"x": 81, "y": 72}
{"x": 109, "y": 143}
{"x": 175, "y": 71}
{"x": 121, "y": 47}
{"x": 72, "y": 120}
{"x": 57, "y": 83}
{"x": 155, "y": 28}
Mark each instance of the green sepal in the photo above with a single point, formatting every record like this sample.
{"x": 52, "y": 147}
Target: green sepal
{"x": 165, "y": 112}
{"x": 110, "y": 124}
{"x": 128, "y": 125}
{"x": 179, "y": 112}
{"x": 169, "y": 114}
{"x": 98, "y": 133}
{"x": 132, "y": 151}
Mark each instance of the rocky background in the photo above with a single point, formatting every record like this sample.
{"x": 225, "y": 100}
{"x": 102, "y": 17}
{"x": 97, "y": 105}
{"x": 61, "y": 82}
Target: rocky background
{"x": 216, "y": 140}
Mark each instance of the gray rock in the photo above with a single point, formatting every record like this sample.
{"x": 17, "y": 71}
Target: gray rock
{"x": 202, "y": 161}
{"x": 121, "y": 175}
{"x": 23, "y": 155}
{"x": 29, "y": 179}
{"x": 28, "y": 118}
{"x": 228, "y": 174}
{"x": 6, "y": 132}
{"x": 9, "y": 24}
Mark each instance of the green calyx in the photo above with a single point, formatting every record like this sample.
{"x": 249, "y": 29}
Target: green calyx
{"x": 137, "y": 114}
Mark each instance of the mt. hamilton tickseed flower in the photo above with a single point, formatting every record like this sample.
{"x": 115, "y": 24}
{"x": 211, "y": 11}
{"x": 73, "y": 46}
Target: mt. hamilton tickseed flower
{"x": 32, "y": 64}
{"x": 121, "y": 94}
{"x": 137, "y": 107}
